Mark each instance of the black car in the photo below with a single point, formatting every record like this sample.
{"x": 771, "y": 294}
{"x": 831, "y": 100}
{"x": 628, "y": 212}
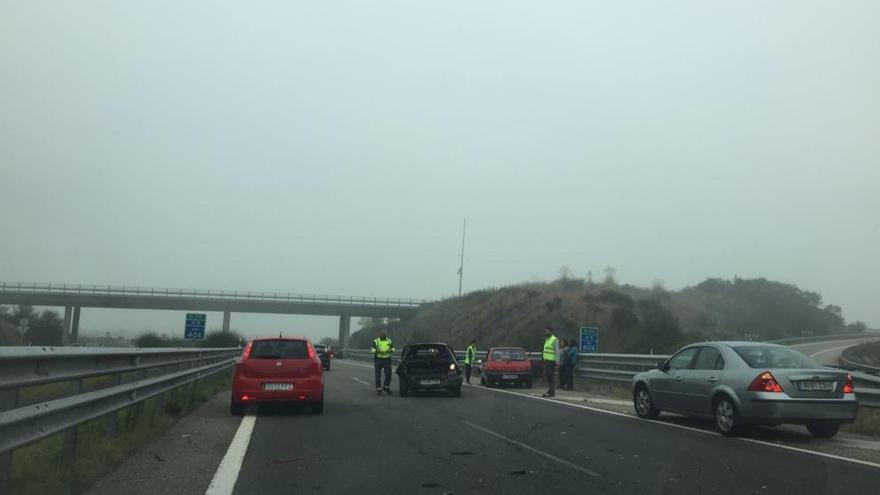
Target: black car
{"x": 325, "y": 354}
{"x": 429, "y": 366}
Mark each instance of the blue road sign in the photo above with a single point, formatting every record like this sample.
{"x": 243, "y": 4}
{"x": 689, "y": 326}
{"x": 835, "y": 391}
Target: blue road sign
{"x": 194, "y": 328}
{"x": 589, "y": 339}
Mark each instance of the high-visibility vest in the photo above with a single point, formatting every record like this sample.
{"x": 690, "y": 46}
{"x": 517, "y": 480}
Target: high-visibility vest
{"x": 470, "y": 355}
{"x": 549, "y": 353}
{"x": 382, "y": 348}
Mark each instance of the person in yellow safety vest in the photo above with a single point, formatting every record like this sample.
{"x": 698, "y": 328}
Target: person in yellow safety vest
{"x": 550, "y": 355}
{"x": 470, "y": 357}
{"x": 382, "y": 349}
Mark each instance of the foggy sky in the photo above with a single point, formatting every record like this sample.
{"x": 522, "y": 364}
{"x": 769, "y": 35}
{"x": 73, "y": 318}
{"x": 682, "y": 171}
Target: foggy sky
{"x": 334, "y": 147}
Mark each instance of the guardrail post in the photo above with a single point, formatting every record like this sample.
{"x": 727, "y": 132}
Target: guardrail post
{"x": 113, "y": 418}
{"x": 8, "y": 400}
{"x": 68, "y": 445}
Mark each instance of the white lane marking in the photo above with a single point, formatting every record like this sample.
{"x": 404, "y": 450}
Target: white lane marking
{"x": 831, "y": 349}
{"x": 356, "y": 364}
{"x": 813, "y": 452}
{"x": 698, "y": 430}
{"x": 360, "y": 381}
{"x": 534, "y": 450}
{"x": 227, "y": 472}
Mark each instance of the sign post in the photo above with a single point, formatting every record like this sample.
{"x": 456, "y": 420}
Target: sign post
{"x": 589, "y": 339}
{"x": 195, "y": 326}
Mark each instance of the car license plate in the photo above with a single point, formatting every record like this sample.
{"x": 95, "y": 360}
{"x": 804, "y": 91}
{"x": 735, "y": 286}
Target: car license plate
{"x": 509, "y": 377}
{"x": 815, "y": 386}
{"x": 429, "y": 382}
{"x": 277, "y": 387}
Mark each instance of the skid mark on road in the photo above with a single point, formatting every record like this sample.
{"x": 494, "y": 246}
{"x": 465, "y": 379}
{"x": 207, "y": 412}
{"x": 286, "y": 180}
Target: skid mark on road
{"x": 534, "y": 450}
{"x": 360, "y": 381}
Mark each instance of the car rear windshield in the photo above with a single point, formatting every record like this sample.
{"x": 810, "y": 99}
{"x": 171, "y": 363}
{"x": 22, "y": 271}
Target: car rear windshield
{"x": 509, "y": 355}
{"x": 320, "y": 348}
{"x": 279, "y": 349}
{"x": 774, "y": 357}
{"x": 428, "y": 352}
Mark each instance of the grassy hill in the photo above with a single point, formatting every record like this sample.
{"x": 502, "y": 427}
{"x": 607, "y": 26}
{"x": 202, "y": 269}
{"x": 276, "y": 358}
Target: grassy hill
{"x": 630, "y": 319}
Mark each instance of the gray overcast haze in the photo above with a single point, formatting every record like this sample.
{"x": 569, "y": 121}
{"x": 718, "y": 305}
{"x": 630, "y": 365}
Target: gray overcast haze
{"x": 334, "y": 147}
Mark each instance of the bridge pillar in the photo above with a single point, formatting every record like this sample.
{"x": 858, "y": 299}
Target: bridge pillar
{"x": 226, "y": 316}
{"x": 65, "y": 332}
{"x": 344, "y": 330}
{"x": 74, "y": 329}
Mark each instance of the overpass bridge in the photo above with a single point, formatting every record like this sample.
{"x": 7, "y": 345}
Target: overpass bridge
{"x": 74, "y": 297}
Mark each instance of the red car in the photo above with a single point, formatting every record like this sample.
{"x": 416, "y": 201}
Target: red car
{"x": 278, "y": 370}
{"x": 507, "y": 365}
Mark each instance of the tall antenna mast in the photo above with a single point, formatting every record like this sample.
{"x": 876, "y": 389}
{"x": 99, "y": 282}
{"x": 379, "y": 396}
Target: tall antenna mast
{"x": 461, "y": 266}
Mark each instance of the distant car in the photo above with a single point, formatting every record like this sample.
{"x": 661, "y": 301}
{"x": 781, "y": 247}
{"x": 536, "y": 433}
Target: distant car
{"x": 278, "y": 370}
{"x": 429, "y": 366}
{"x": 748, "y": 383}
{"x": 325, "y": 354}
{"x": 506, "y": 365}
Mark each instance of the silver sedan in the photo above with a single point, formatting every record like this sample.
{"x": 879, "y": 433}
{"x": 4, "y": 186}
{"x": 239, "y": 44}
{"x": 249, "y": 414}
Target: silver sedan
{"x": 747, "y": 383}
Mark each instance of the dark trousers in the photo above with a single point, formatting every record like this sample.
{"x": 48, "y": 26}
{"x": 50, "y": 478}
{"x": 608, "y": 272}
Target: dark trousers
{"x": 569, "y": 376}
{"x": 383, "y": 364}
{"x": 549, "y": 375}
{"x": 563, "y": 376}
{"x": 467, "y": 373}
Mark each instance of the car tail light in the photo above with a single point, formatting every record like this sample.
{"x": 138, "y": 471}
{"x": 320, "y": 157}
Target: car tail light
{"x": 245, "y": 397}
{"x": 247, "y": 351}
{"x": 332, "y": 354}
{"x": 311, "y": 351}
{"x": 848, "y": 387}
{"x": 765, "y": 382}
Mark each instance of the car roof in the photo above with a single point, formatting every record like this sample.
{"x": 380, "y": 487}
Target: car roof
{"x": 507, "y": 349}
{"x": 427, "y": 343}
{"x": 736, "y": 343}
{"x": 256, "y": 339}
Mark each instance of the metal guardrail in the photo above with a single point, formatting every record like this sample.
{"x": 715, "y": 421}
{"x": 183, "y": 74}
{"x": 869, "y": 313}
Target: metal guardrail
{"x": 112, "y": 290}
{"x": 22, "y": 367}
{"x": 622, "y": 367}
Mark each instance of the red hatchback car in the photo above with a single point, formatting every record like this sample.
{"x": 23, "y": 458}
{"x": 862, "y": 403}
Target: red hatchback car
{"x": 278, "y": 370}
{"x": 507, "y": 365}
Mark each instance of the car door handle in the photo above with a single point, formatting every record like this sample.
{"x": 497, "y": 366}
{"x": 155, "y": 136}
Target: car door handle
{"x": 713, "y": 379}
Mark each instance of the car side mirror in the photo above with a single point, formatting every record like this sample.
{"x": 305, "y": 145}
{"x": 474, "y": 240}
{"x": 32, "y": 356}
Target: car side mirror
{"x": 663, "y": 366}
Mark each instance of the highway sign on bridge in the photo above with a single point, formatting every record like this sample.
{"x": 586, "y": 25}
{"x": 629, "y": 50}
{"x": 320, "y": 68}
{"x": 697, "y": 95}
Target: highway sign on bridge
{"x": 589, "y": 339}
{"x": 195, "y": 326}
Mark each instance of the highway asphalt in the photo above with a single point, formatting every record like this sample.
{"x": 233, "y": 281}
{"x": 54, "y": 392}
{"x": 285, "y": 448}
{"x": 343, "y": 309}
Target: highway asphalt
{"x": 828, "y": 352}
{"x": 490, "y": 441}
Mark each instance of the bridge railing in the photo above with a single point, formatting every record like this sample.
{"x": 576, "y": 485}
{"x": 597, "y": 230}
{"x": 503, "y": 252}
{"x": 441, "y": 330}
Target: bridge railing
{"x": 621, "y": 368}
{"x": 128, "y": 376}
{"x": 121, "y": 290}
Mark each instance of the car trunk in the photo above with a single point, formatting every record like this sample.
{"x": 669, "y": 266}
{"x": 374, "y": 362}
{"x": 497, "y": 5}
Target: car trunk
{"x": 278, "y": 359}
{"x": 818, "y": 383}
{"x": 428, "y": 366}
{"x": 509, "y": 366}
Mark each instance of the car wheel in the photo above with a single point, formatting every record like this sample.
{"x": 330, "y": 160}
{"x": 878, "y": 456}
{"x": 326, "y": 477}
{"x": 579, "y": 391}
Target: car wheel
{"x": 456, "y": 392}
{"x": 644, "y": 404}
{"x": 404, "y": 389}
{"x": 726, "y": 416}
{"x": 318, "y": 407}
{"x": 823, "y": 430}
{"x": 236, "y": 409}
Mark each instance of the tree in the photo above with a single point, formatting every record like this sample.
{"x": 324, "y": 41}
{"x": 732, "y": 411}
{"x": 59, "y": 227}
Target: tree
{"x": 219, "y": 338}
{"x": 44, "y": 330}
{"x": 149, "y": 339}
{"x": 329, "y": 341}
{"x": 610, "y": 273}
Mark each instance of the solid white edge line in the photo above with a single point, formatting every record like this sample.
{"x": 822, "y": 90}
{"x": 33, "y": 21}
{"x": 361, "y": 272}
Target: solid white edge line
{"x": 682, "y": 427}
{"x": 674, "y": 425}
{"x": 227, "y": 472}
{"x": 534, "y": 450}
